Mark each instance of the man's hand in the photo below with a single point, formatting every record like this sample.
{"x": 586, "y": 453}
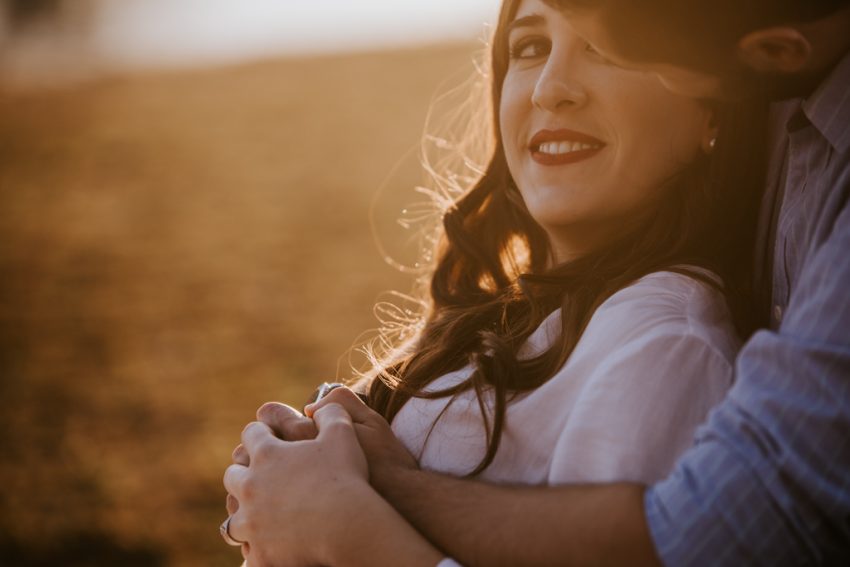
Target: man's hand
{"x": 384, "y": 452}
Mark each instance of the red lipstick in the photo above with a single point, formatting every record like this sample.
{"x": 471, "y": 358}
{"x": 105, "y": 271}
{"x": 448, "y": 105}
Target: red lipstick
{"x": 581, "y": 146}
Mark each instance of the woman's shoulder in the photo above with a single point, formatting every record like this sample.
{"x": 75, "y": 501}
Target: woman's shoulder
{"x": 660, "y": 312}
{"x": 680, "y": 286}
{"x": 668, "y": 307}
{"x": 690, "y": 294}
{"x": 652, "y": 361}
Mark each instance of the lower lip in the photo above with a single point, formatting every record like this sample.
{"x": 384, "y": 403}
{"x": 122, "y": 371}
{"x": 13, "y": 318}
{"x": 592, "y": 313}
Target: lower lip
{"x": 564, "y": 159}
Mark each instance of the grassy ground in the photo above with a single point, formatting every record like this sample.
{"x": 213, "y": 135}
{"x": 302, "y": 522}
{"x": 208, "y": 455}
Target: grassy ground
{"x": 176, "y": 249}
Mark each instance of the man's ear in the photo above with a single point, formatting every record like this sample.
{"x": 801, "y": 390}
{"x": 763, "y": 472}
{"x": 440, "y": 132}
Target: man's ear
{"x": 775, "y": 50}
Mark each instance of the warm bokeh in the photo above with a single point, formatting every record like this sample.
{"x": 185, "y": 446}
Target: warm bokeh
{"x": 175, "y": 249}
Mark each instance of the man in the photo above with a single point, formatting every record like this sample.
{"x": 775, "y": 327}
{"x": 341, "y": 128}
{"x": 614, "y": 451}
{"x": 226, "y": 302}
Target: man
{"x": 768, "y": 481}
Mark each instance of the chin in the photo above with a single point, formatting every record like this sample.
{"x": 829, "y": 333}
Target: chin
{"x": 559, "y": 224}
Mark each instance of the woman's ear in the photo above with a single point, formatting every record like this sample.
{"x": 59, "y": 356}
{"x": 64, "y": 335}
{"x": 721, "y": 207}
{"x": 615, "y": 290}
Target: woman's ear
{"x": 710, "y": 131}
{"x": 775, "y": 50}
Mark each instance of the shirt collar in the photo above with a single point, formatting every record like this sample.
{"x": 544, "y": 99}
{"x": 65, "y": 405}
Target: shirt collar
{"x": 828, "y": 108}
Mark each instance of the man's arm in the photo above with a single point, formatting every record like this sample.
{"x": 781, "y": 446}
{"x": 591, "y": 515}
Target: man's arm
{"x": 768, "y": 482}
{"x": 485, "y": 524}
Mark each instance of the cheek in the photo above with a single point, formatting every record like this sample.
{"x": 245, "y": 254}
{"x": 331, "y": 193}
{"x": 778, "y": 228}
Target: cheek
{"x": 665, "y": 136}
{"x": 510, "y": 121}
{"x": 509, "y": 105}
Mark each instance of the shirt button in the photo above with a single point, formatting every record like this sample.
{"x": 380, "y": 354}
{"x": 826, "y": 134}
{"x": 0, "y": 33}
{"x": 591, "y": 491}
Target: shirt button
{"x": 777, "y": 313}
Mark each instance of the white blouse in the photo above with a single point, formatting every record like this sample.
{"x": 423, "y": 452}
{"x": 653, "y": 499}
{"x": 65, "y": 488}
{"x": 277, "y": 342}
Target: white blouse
{"x": 654, "y": 359}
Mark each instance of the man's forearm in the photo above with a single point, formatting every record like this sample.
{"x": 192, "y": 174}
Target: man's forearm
{"x": 484, "y": 524}
{"x": 375, "y": 535}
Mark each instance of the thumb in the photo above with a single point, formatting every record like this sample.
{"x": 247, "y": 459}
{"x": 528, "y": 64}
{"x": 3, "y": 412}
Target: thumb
{"x": 333, "y": 421}
{"x": 336, "y": 432}
{"x": 357, "y": 410}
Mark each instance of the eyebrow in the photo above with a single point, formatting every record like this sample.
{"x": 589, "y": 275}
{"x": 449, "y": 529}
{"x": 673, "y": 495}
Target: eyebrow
{"x": 524, "y": 22}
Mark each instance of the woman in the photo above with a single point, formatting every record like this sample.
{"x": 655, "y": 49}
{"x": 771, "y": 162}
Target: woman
{"x": 579, "y": 327}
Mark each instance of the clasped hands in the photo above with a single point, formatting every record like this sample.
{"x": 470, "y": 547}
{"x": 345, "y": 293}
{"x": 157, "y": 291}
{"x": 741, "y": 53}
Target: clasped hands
{"x": 299, "y": 480}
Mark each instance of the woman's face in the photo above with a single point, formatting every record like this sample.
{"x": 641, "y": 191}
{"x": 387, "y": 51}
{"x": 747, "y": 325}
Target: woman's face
{"x": 589, "y": 144}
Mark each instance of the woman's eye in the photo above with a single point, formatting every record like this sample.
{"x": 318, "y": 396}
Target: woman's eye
{"x": 529, "y": 48}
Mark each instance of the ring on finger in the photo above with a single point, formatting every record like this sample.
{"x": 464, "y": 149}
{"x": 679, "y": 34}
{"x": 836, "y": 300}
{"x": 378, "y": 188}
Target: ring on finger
{"x": 224, "y": 529}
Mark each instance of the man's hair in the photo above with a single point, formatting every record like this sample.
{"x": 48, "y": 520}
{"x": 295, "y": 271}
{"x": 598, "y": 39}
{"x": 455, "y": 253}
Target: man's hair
{"x": 701, "y": 34}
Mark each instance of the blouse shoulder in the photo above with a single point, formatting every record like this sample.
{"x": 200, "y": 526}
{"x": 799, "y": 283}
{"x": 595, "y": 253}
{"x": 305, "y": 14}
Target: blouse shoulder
{"x": 672, "y": 304}
{"x": 658, "y": 308}
{"x": 676, "y": 291}
{"x": 653, "y": 360}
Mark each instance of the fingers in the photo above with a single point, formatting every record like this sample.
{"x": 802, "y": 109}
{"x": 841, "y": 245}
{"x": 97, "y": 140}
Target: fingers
{"x": 234, "y": 482}
{"x": 232, "y": 508}
{"x": 336, "y": 432}
{"x": 238, "y": 529}
{"x": 240, "y": 456}
{"x": 234, "y": 479}
{"x": 333, "y": 419}
{"x": 232, "y": 504}
{"x": 343, "y": 396}
{"x": 255, "y": 435}
{"x": 286, "y": 422}
{"x": 274, "y": 413}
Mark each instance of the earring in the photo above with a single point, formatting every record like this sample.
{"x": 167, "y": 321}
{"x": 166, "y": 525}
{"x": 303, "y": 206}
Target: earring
{"x": 710, "y": 147}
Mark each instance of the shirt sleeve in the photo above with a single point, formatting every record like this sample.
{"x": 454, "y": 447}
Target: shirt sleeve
{"x": 653, "y": 383}
{"x": 768, "y": 481}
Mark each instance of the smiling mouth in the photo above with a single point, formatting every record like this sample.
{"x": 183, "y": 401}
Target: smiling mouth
{"x": 560, "y": 147}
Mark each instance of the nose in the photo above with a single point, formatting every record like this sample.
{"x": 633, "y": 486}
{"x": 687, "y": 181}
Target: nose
{"x": 558, "y": 84}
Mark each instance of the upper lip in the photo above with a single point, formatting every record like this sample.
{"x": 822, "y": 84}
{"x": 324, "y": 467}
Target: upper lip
{"x": 562, "y": 135}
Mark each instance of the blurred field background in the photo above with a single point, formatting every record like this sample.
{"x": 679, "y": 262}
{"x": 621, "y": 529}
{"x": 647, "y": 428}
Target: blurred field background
{"x": 177, "y": 247}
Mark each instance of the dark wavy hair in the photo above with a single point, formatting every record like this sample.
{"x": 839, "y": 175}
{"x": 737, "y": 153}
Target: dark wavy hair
{"x": 493, "y": 283}
{"x": 702, "y": 35}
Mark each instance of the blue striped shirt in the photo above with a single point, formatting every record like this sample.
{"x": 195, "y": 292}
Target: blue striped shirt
{"x": 767, "y": 481}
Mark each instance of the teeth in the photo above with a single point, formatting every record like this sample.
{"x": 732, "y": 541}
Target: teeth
{"x": 558, "y": 148}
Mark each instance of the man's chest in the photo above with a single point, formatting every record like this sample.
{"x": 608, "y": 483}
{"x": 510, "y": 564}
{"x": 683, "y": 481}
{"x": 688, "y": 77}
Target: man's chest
{"x": 809, "y": 195}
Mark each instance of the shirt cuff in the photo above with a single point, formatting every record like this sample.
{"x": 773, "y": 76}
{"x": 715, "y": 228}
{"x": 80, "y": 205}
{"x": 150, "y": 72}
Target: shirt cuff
{"x": 448, "y": 562}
